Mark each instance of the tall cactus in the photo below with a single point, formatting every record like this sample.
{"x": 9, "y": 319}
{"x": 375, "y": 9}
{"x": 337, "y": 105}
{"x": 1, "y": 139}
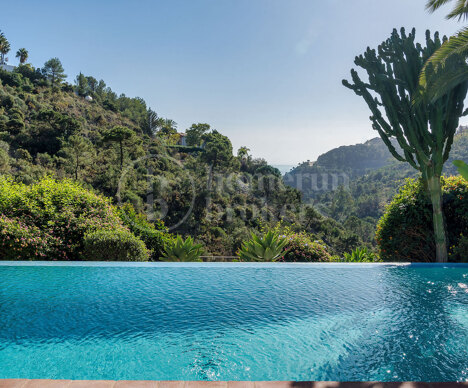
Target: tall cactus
{"x": 423, "y": 131}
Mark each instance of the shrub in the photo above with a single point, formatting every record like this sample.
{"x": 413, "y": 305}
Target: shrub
{"x": 301, "y": 248}
{"x": 269, "y": 247}
{"x": 405, "y": 232}
{"x": 154, "y": 235}
{"x": 22, "y": 242}
{"x": 62, "y": 211}
{"x": 114, "y": 245}
{"x": 180, "y": 250}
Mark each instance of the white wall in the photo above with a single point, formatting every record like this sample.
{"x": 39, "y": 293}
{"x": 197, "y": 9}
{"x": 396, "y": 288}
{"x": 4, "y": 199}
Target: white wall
{"x": 7, "y": 67}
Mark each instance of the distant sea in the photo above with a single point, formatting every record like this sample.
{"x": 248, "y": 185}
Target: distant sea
{"x": 284, "y": 168}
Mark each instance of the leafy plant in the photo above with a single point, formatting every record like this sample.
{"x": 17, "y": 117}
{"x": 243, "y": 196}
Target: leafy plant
{"x": 19, "y": 241}
{"x": 183, "y": 250}
{"x": 300, "y": 248}
{"x": 114, "y": 245}
{"x": 155, "y": 235}
{"x": 270, "y": 247}
{"x": 449, "y": 60}
{"x": 360, "y": 255}
{"x": 58, "y": 212}
{"x": 462, "y": 168}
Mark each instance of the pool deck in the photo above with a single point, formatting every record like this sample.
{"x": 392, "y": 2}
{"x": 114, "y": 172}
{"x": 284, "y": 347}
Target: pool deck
{"x": 24, "y": 383}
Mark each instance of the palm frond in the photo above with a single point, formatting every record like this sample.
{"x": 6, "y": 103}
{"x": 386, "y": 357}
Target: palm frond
{"x": 459, "y": 11}
{"x": 442, "y": 83}
{"x": 445, "y": 69}
{"x": 433, "y": 5}
{"x": 456, "y": 45}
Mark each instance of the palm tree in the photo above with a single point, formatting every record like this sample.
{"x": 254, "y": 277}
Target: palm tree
{"x": 168, "y": 126}
{"x": 447, "y": 67}
{"x": 243, "y": 155}
{"x": 243, "y": 152}
{"x": 4, "y": 47}
{"x": 22, "y": 54}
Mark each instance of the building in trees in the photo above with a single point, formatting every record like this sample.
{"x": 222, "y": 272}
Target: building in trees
{"x": 182, "y": 139}
{"x": 6, "y": 67}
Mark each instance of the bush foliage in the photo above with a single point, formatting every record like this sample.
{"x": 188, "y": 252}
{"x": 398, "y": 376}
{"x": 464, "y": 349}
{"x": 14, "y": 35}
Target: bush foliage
{"x": 301, "y": 248}
{"x": 405, "y": 232}
{"x": 155, "y": 235}
{"x": 20, "y": 241}
{"x": 114, "y": 245}
{"x": 49, "y": 220}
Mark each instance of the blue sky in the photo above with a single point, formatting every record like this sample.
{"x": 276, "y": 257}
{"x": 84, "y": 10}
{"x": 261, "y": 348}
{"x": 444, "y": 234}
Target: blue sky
{"x": 266, "y": 73}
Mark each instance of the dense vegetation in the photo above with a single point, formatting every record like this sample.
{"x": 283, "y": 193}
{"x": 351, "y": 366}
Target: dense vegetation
{"x": 360, "y": 203}
{"x": 83, "y": 146}
{"x": 347, "y": 164}
{"x": 59, "y": 221}
{"x": 404, "y": 233}
{"x": 117, "y": 146}
{"x": 337, "y": 167}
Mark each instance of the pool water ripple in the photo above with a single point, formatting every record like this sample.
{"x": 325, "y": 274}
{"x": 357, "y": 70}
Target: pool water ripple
{"x": 234, "y": 323}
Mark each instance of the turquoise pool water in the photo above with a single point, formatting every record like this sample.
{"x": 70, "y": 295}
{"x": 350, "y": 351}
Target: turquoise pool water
{"x": 234, "y": 322}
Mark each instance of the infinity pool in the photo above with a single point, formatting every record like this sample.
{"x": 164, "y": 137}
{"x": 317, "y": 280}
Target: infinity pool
{"x": 233, "y": 322}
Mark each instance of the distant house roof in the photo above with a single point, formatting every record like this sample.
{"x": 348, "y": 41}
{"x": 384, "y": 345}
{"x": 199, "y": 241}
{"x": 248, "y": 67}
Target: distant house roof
{"x": 7, "y": 67}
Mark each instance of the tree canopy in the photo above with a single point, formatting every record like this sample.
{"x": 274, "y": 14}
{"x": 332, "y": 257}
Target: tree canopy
{"x": 53, "y": 71}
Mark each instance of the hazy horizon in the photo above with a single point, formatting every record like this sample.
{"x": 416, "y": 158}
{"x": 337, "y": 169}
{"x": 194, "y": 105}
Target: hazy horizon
{"x": 266, "y": 73}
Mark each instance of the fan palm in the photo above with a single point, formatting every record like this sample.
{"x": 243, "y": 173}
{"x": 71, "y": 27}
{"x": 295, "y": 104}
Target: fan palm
{"x": 22, "y": 54}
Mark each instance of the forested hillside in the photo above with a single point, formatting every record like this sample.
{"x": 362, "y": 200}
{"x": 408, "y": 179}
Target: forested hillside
{"x": 342, "y": 165}
{"x": 369, "y": 177}
{"x": 119, "y": 147}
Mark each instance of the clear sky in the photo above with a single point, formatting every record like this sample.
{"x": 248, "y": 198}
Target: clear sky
{"x": 266, "y": 73}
